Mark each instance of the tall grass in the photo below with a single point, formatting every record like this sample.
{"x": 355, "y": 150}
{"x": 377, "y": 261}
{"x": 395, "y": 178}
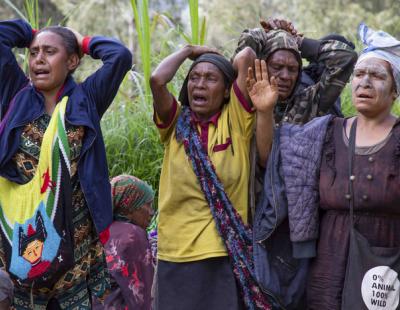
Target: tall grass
{"x": 32, "y": 15}
{"x": 194, "y": 20}
{"x": 15, "y": 9}
{"x": 198, "y": 31}
{"x": 132, "y": 141}
{"x": 140, "y": 10}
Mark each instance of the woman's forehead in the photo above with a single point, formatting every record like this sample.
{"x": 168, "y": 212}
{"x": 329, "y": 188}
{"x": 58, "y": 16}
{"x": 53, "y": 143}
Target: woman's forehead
{"x": 373, "y": 64}
{"x": 206, "y": 67}
{"x": 47, "y": 38}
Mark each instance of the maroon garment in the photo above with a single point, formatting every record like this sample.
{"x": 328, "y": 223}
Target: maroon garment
{"x": 130, "y": 263}
{"x": 376, "y": 205}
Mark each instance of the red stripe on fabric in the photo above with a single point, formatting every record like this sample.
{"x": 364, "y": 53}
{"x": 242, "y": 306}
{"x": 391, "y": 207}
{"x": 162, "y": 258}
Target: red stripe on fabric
{"x": 245, "y": 104}
{"x": 213, "y": 119}
{"x": 204, "y": 135}
{"x": 223, "y": 146}
{"x": 59, "y": 93}
{"x": 85, "y": 45}
{"x": 170, "y": 118}
{"x": 104, "y": 236}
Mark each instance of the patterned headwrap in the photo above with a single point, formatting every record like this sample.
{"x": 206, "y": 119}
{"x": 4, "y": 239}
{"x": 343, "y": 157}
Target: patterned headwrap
{"x": 220, "y": 62}
{"x": 379, "y": 44}
{"x": 265, "y": 43}
{"x": 131, "y": 192}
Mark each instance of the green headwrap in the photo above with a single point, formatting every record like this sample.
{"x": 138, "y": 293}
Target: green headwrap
{"x": 131, "y": 192}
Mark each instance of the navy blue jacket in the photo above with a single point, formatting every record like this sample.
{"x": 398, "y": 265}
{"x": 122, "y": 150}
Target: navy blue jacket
{"x": 21, "y": 103}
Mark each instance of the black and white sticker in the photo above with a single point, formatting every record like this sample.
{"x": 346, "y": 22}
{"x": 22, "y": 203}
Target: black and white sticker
{"x": 380, "y": 288}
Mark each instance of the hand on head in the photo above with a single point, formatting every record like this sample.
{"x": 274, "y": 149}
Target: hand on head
{"x": 262, "y": 90}
{"x": 275, "y": 23}
{"x": 282, "y": 24}
{"x": 197, "y": 50}
{"x": 79, "y": 39}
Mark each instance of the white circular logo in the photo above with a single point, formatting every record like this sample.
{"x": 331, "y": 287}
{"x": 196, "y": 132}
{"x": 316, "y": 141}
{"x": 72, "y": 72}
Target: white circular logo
{"x": 380, "y": 288}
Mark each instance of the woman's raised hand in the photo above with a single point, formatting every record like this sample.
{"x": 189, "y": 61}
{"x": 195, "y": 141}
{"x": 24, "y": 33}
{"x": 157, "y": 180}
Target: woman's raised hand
{"x": 79, "y": 38}
{"x": 275, "y": 23}
{"x": 197, "y": 50}
{"x": 263, "y": 91}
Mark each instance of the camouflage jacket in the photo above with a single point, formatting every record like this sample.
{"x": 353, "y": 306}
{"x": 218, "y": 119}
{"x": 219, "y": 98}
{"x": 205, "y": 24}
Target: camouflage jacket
{"x": 305, "y": 103}
{"x": 316, "y": 100}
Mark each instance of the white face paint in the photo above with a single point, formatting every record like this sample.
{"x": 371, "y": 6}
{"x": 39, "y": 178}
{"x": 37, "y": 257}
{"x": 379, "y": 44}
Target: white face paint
{"x": 373, "y": 91}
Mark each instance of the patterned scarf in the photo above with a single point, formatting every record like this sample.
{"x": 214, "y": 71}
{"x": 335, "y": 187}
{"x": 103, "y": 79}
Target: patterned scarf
{"x": 236, "y": 235}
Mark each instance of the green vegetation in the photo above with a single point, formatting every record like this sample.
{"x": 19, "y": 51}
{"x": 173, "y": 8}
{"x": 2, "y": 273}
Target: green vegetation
{"x": 140, "y": 10}
{"x": 132, "y": 140}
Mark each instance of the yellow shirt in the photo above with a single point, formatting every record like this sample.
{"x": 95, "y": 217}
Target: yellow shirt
{"x": 186, "y": 228}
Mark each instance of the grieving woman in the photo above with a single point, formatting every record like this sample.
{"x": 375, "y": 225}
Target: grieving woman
{"x": 375, "y": 178}
{"x": 55, "y": 196}
{"x": 204, "y": 252}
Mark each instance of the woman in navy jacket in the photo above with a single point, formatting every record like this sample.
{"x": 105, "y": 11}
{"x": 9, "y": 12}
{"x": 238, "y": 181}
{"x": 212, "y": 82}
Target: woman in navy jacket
{"x": 27, "y": 105}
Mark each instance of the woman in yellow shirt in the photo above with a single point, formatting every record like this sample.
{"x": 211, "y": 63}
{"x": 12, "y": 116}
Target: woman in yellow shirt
{"x": 204, "y": 245}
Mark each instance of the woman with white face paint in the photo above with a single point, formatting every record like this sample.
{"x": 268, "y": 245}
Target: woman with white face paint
{"x": 375, "y": 178}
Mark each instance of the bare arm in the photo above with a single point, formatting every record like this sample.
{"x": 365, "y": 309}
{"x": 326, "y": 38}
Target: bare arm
{"x": 165, "y": 72}
{"x": 264, "y": 95}
{"x": 241, "y": 63}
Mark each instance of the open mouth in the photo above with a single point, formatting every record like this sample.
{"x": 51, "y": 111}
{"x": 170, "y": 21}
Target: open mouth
{"x": 199, "y": 99}
{"x": 364, "y": 96}
{"x": 284, "y": 88}
{"x": 41, "y": 72}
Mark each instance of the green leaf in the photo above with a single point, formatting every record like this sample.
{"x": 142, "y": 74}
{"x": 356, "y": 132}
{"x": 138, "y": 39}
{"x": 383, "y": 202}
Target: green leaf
{"x": 203, "y": 31}
{"x": 194, "y": 20}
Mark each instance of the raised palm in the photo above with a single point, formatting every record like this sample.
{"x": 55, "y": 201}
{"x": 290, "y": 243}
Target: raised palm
{"x": 263, "y": 91}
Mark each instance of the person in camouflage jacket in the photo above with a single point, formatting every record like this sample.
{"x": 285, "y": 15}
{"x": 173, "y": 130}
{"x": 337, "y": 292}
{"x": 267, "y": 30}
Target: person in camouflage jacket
{"x": 279, "y": 44}
{"x": 297, "y": 104}
{"x": 283, "y": 48}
